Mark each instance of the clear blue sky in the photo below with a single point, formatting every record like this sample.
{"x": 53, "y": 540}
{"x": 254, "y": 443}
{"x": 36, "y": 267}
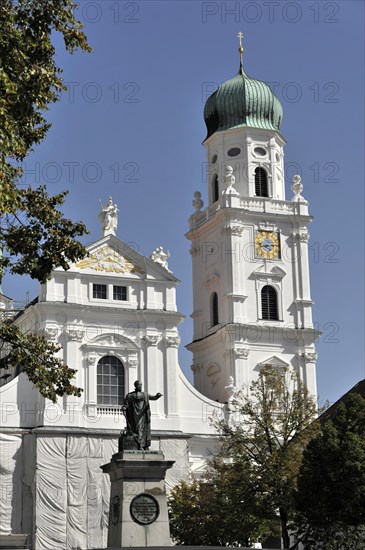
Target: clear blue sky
{"x": 131, "y": 126}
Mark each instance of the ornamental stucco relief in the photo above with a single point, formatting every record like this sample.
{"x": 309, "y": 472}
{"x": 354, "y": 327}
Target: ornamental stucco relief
{"x": 172, "y": 341}
{"x": 310, "y": 356}
{"x": 51, "y": 331}
{"x": 108, "y": 260}
{"x": 151, "y": 340}
{"x": 75, "y": 333}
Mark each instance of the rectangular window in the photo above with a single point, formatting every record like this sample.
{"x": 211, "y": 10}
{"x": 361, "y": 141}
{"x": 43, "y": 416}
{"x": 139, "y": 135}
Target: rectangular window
{"x": 99, "y": 291}
{"x": 120, "y": 293}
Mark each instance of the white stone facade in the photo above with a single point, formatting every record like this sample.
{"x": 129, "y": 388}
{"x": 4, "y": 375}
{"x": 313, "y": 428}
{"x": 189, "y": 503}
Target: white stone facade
{"x": 53, "y": 452}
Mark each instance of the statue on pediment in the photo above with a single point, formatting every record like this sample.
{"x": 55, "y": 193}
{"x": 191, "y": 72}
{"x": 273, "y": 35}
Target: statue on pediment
{"x": 108, "y": 217}
{"x": 160, "y": 257}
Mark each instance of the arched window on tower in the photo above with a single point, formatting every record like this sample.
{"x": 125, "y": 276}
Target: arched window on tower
{"x": 110, "y": 382}
{"x": 215, "y": 188}
{"x": 269, "y": 303}
{"x": 214, "y": 317}
{"x": 261, "y": 183}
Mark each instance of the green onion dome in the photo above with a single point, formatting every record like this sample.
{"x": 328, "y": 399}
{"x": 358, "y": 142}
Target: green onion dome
{"x": 242, "y": 101}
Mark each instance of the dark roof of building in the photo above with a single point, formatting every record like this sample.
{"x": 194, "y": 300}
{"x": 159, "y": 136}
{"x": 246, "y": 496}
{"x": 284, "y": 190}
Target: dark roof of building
{"x": 331, "y": 411}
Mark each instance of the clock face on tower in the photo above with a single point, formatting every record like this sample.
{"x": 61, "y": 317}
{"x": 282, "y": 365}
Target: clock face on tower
{"x": 267, "y": 245}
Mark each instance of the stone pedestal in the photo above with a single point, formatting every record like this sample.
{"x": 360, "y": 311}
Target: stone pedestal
{"x": 138, "y": 508}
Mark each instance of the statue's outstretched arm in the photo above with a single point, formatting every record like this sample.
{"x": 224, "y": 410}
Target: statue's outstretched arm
{"x": 155, "y": 397}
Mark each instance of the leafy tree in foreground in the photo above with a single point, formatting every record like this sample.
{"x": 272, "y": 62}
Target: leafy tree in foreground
{"x": 274, "y": 423}
{"x": 35, "y": 237}
{"x": 331, "y": 485}
{"x": 218, "y": 510}
{"x": 252, "y": 481}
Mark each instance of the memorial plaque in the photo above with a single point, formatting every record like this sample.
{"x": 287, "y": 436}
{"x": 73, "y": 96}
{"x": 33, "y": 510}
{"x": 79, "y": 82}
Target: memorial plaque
{"x": 144, "y": 509}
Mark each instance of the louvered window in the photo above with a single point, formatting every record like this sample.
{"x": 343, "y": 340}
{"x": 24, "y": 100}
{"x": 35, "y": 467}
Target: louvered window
{"x": 215, "y": 188}
{"x": 110, "y": 381}
{"x": 269, "y": 303}
{"x": 214, "y": 309}
{"x": 261, "y": 183}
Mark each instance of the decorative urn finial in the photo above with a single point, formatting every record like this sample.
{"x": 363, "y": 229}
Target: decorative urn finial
{"x": 198, "y": 202}
{"x": 297, "y": 188}
{"x": 229, "y": 181}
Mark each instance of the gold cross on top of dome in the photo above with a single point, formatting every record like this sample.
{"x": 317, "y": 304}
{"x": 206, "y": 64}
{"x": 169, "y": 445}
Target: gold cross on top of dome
{"x": 240, "y": 49}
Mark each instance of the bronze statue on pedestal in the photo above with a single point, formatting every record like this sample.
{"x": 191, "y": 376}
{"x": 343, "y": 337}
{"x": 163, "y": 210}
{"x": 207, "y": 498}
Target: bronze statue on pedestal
{"x": 137, "y": 412}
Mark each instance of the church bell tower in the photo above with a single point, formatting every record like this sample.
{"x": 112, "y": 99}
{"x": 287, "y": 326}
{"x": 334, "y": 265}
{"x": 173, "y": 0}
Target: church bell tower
{"x": 249, "y": 247}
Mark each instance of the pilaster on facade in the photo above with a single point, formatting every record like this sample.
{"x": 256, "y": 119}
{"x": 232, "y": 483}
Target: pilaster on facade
{"x": 171, "y": 394}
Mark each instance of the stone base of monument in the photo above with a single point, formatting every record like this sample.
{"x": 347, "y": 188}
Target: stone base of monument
{"x": 138, "y": 507}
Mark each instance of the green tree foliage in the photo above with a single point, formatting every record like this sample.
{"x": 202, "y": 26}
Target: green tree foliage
{"x": 38, "y": 358}
{"x": 331, "y": 485}
{"x": 218, "y": 509}
{"x": 35, "y": 237}
{"x": 253, "y": 479}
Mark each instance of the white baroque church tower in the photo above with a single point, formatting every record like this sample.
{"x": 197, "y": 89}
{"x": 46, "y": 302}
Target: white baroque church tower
{"x": 114, "y": 312}
{"x": 249, "y": 247}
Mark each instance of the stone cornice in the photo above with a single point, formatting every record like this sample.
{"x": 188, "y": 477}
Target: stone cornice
{"x": 292, "y": 334}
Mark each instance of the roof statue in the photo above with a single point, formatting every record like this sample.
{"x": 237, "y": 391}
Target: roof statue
{"x": 229, "y": 180}
{"x": 161, "y": 257}
{"x": 108, "y": 217}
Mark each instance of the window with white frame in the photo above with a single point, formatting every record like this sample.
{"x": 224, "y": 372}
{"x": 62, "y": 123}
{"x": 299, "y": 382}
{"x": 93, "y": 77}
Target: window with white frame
{"x": 269, "y": 303}
{"x": 109, "y": 292}
{"x": 110, "y": 381}
{"x": 261, "y": 182}
{"x": 100, "y": 292}
{"x": 119, "y": 293}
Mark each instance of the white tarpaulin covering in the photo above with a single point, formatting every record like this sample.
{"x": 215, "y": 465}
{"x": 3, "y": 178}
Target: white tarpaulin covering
{"x": 72, "y": 493}
{"x": 10, "y": 483}
{"x": 57, "y": 479}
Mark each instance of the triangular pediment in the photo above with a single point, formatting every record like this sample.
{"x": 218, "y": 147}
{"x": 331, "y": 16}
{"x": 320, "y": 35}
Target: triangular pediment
{"x": 264, "y": 272}
{"x": 274, "y": 362}
{"x": 276, "y": 270}
{"x": 112, "y": 256}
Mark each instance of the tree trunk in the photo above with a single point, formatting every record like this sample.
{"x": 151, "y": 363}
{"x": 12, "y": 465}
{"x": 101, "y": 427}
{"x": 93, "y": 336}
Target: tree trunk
{"x": 284, "y": 527}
